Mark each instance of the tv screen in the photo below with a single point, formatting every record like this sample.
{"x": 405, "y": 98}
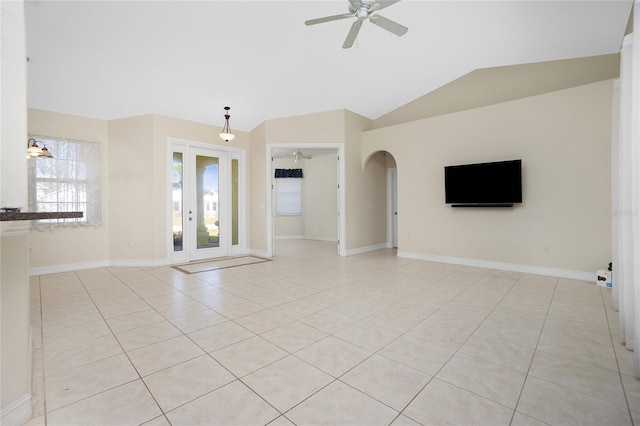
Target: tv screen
{"x": 484, "y": 183}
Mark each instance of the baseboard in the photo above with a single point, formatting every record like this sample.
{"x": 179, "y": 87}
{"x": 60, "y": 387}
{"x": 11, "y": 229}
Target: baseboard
{"x": 366, "y": 249}
{"x": 56, "y": 269}
{"x": 503, "y": 266}
{"x": 17, "y": 413}
{"x": 304, "y": 237}
{"x": 138, "y": 263}
{"x": 259, "y": 253}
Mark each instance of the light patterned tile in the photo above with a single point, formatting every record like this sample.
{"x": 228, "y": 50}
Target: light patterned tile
{"x": 65, "y": 358}
{"x": 390, "y": 382}
{"x": 146, "y": 335}
{"x": 187, "y": 381}
{"x": 89, "y": 379}
{"x": 339, "y": 404}
{"x": 161, "y": 355}
{"x": 579, "y": 350}
{"x": 440, "y": 334}
{"x": 220, "y": 335}
{"x": 248, "y": 355}
{"x": 226, "y": 400}
{"x": 507, "y": 354}
{"x": 287, "y": 382}
{"x": 555, "y": 404}
{"x": 415, "y": 353}
{"x": 333, "y": 355}
{"x": 134, "y": 320}
{"x": 262, "y": 321}
{"x": 441, "y": 403}
{"x": 127, "y": 404}
{"x": 197, "y": 320}
{"x": 586, "y": 378}
{"x": 293, "y": 336}
{"x": 329, "y": 321}
{"x": 368, "y": 336}
{"x": 483, "y": 378}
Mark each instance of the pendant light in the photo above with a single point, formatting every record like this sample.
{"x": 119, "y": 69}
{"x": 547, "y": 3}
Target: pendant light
{"x": 226, "y": 134}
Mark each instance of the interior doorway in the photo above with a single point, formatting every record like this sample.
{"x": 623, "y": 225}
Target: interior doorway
{"x": 317, "y": 197}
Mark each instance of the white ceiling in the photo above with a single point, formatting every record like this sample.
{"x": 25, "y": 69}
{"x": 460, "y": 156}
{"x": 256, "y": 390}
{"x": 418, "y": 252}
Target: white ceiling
{"x": 113, "y": 59}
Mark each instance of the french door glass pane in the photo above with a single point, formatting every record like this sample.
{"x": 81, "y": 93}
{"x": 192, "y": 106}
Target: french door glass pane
{"x": 234, "y": 202}
{"x": 207, "y": 207}
{"x": 177, "y": 200}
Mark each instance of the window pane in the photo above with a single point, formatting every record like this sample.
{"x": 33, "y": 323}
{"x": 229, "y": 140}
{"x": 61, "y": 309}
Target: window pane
{"x": 289, "y": 196}
{"x": 70, "y": 181}
{"x": 234, "y": 202}
{"x": 176, "y": 183}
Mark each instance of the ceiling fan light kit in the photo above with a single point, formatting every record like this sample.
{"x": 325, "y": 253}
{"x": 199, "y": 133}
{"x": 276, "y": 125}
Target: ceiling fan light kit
{"x": 363, "y": 10}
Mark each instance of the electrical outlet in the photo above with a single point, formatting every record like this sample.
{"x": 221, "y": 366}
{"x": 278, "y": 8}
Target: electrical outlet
{"x": 129, "y": 243}
{"x": 545, "y": 248}
{"x": 30, "y": 250}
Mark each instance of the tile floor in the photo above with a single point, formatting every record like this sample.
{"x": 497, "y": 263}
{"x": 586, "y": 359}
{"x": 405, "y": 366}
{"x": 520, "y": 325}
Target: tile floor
{"x": 312, "y": 338}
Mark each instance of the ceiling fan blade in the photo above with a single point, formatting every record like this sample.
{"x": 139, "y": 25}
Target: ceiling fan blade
{"x": 379, "y": 5}
{"x": 353, "y": 33}
{"x": 389, "y": 25}
{"x": 328, "y": 19}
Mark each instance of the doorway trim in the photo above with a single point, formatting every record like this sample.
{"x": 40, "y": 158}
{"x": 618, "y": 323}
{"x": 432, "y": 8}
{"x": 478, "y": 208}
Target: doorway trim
{"x": 232, "y": 153}
{"x": 341, "y": 191}
{"x": 392, "y": 207}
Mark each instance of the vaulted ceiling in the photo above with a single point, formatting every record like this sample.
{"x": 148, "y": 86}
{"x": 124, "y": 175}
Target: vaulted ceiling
{"x": 189, "y": 59}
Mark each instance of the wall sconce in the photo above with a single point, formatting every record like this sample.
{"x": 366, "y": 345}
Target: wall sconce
{"x": 34, "y": 150}
{"x": 226, "y": 134}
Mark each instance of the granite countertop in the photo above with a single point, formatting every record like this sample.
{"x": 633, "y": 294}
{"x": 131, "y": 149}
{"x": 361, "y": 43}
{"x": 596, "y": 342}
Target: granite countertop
{"x": 9, "y": 216}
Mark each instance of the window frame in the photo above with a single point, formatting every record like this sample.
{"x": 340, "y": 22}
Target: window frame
{"x": 76, "y": 165}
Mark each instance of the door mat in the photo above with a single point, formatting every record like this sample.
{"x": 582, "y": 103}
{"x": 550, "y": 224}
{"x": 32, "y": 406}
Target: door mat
{"x": 215, "y": 264}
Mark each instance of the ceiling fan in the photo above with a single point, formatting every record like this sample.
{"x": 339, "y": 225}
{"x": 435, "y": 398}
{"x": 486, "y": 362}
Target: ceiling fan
{"x": 363, "y": 10}
{"x": 297, "y": 155}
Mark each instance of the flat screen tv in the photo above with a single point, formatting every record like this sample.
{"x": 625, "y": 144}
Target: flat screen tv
{"x": 497, "y": 184}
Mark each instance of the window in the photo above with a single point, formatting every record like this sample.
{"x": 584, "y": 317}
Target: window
{"x": 70, "y": 181}
{"x": 289, "y": 197}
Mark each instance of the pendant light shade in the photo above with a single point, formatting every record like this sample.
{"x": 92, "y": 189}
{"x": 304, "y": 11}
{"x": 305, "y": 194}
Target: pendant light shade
{"x": 226, "y": 134}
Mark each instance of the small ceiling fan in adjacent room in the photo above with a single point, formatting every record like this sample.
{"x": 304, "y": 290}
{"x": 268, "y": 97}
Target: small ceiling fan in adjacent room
{"x": 296, "y": 155}
{"x": 363, "y": 10}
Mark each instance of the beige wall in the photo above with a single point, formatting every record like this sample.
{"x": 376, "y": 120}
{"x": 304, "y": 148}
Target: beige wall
{"x": 365, "y": 189}
{"x": 257, "y": 194}
{"x": 321, "y": 197}
{"x": 81, "y": 244}
{"x": 15, "y": 351}
{"x": 563, "y": 139}
{"x": 130, "y": 178}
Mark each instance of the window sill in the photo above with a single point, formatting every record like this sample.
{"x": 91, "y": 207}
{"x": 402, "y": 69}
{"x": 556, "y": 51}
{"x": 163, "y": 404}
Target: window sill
{"x": 13, "y": 216}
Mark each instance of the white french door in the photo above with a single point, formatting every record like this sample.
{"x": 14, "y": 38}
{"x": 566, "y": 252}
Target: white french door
{"x": 205, "y": 204}
{"x": 205, "y": 210}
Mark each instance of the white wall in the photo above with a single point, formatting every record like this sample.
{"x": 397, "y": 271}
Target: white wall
{"x": 563, "y": 139}
{"x": 15, "y": 348}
